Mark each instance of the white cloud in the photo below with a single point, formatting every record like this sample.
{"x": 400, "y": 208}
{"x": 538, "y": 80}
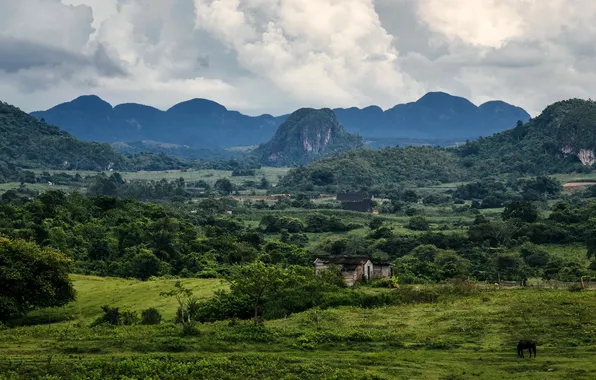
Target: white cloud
{"x": 277, "y": 55}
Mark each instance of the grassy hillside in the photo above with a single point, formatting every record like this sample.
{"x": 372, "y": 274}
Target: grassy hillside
{"x": 94, "y": 292}
{"x": 458, "y": 337}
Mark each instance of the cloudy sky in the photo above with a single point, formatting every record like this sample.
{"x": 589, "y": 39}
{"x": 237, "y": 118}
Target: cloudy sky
{"x": 274, "y": 56}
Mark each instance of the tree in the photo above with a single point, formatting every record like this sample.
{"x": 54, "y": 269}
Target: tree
{"x": 31, "y": 277}
{"x": 521, "y": 210}
{"x": 418, "y": 223}
{"x": 257, "y": 281}
{"x": 224, "y": 186}
{"x": 185, "y": 299}
{"x": 375, "y": 223}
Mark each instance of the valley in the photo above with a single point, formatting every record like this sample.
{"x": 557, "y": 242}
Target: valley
{"x": 164, "y": 265}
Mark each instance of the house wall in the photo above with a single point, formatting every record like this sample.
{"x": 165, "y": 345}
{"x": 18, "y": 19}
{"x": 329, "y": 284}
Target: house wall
{"x": 382, "y": 271}
{"x": 353, "y": 276}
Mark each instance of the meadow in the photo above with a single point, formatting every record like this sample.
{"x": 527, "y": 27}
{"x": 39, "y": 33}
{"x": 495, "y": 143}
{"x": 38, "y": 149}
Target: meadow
{"x": 458, "y": 336}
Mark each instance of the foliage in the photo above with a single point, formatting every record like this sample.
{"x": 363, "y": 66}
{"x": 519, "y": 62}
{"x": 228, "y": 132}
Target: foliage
{"x": 114, "y": 317}
{"x": 366, "y": 169}
{"x": 150, "y": 316}
{"x": 31, "y": 277}
{"x": 418, "y": 223}
{"x": 29, "y": 143}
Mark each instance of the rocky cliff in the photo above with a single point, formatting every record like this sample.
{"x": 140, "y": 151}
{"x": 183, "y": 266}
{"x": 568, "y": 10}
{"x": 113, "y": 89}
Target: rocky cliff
{"x": 305, "y": 136}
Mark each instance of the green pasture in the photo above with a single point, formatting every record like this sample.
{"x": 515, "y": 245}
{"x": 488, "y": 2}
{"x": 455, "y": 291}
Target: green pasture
{"x": 460, "y": 337}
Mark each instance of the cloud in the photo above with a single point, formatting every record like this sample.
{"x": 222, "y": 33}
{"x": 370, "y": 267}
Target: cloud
{"x": 277, "y": 55}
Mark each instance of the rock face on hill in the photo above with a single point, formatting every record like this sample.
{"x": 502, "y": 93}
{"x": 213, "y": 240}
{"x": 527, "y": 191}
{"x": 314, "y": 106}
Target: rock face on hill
{"x": 306, "y": 136}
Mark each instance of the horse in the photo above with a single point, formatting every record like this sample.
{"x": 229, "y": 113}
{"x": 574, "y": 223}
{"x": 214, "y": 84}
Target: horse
{"x": 526, "y": 345}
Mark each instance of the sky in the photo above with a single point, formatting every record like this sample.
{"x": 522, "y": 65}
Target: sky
{"x": 274, "y": 56}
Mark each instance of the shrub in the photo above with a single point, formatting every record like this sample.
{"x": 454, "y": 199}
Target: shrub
{"x": 112, "y": 316}
{"x": 437, "y": 344}
{"x": 129, "y": 318}
{"x": 386, "y": 282}
{"x": 151, "y": 316}
{"x": 576, "y": 288}
{"x": 418, "y": 223}
{"x": 190, "y": 329}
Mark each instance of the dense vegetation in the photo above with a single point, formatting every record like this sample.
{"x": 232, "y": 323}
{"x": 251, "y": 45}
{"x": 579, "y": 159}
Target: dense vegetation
{"x": 32, "y": 277}
{"x": 305, "y": 136}
{"x": 28, "y": 143}
{"x": 547, "y": 144}
{"x": 368, "y": 169}
{"x": 550, "y": 143}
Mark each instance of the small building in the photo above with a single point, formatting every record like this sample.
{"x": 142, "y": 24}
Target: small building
{"x": 354, "y": 268}
{"x": 359, "y": 202}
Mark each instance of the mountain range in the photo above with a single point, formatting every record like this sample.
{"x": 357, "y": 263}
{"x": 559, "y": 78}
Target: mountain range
{"x": 202, "y": 123}
{"x": 562, "y": 139}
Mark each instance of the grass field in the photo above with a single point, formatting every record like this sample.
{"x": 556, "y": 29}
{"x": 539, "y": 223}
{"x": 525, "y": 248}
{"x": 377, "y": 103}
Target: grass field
{"x": 210, "y": 176}
{"x": 460, "y": 337}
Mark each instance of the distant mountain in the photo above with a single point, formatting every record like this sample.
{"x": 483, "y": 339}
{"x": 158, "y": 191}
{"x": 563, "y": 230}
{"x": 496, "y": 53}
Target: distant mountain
{"x": 196, "y": 123}
{"x": 305, "y": 136}
{"x": 561, "y": 140}
{"x": 202, "y": 123}
{"x": 436, "y": 115}
{"x": 27, "y": 143}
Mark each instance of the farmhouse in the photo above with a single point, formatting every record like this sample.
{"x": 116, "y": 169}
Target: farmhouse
{"x": 354, "y": 268}
{"x": 356, "y": 201}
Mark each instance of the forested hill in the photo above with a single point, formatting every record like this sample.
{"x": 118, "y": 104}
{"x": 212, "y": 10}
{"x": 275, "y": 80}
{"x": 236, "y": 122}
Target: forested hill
{"x": 305, "y": 136}
{"x": 562, "y": 139}
{"x": 368, "y": 169}
{"x": 26, "y": 142}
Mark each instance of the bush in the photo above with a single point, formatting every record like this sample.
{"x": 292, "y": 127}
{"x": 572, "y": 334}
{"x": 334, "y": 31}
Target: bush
{"x": 386, "y": 282}
{"x": 576, "y": 288}
{"x": 437, "y": 344}
{"x": 129, "y": 318}
{"x": 418, "y": 223}
{"x": 111, "y": 316}
{"x": 190, "y": 329}
{"x": 151, "y": 316}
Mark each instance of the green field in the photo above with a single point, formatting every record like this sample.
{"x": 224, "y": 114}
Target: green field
{"x": 459, "y": 337}
{"x": 209, "y": 176}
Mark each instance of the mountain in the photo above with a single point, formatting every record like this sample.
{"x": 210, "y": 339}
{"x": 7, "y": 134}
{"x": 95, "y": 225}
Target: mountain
{"x": 436, "y": 115}
{"x": 305, "y": 136}
{"x": 202, "y": 123}
{"x": 197, "y": 123}
{"x": 561, "y": 140}
{"x": 26, "y": 143}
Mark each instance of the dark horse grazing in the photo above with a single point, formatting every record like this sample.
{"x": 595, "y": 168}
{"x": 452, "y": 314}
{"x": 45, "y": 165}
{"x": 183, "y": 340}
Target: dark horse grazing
{"x": 526, "y": 345}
